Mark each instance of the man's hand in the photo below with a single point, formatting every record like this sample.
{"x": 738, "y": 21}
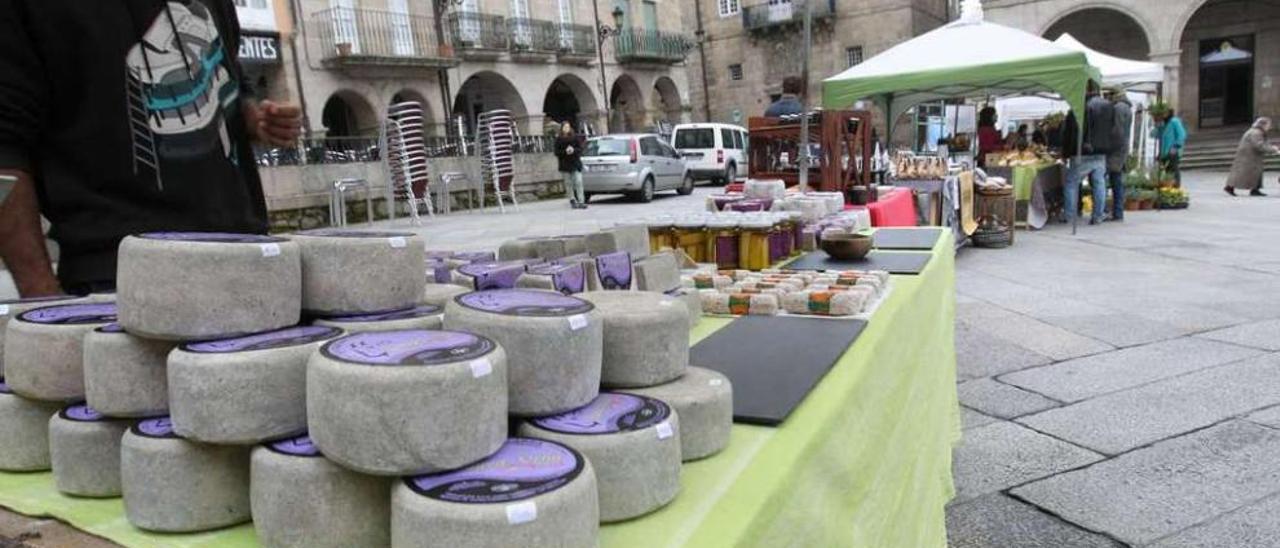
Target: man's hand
{"x": 273, "y": 123}
{"x": 22, "y": 241}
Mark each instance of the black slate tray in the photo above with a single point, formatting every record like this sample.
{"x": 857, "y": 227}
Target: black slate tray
{"x": 893, "y": 262}
{"x": 922, "y": 239}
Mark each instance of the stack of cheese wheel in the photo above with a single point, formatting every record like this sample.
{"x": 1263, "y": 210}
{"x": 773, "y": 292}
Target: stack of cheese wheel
{"x": 554, "y": 345}
{"x": 351, "y": 272}
{"x": 185, "y": 286}
{"x": 530, "y": 493}
{"x": 703, "y": 399}
{"x": 302, "y": 500}
{"x": 172, "y": 485}
{"x": 244, "y": 390}
{"x": 419, "y": 317}
{"x": 646, "y": 337}
{"x": 125, "y": 375}
{"x": 44, "y": 349}
{"x": 84, "y": 447}
{"x": 11, "y": 308}
{"x": 24, "y": 427}
{"x": 396, "y": 403}
{"x": 633, "y": 442}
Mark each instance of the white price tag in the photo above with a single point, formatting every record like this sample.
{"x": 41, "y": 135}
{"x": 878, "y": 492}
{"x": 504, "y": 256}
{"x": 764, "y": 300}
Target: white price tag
{"x": 667, "y": 302}
{"x": 523, "y": 512}
{"x": 270, "y": 250}
{"x": 4, "y": 310}
{"x": 664, "y": 430}
{"x": 577, "y": 322}
{"x": 481, "y": 367}
{"x": 715, "y": 382}
{"x": 397, "y": 242}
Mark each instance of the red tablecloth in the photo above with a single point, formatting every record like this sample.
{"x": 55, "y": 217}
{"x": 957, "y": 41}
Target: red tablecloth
{"x": 896, "y": 207}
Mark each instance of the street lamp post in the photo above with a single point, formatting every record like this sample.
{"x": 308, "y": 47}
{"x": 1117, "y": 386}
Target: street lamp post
{"x": 603, "y": 32}
{"x": 804, "y": 96}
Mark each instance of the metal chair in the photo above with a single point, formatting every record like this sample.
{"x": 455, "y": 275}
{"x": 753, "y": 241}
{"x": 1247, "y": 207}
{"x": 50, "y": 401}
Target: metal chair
{"x": 338, "y": 201}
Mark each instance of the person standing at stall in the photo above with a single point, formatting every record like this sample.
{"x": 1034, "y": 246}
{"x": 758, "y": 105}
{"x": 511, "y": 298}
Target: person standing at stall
{"x": 124, "y": 117}
{"x": 1249, "y": 164}
{"x": 1118, "y": 160}
{"x": 569, "y": 155}
{"x": 1173, "y": 138}
{"x": 1091, "y": 161}
{"x": 988, "y": 136}
{"x": 789, "y": 103}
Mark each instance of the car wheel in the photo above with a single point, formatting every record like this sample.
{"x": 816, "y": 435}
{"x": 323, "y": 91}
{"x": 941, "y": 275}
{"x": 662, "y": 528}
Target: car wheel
{"x": 646, "y": 191}
{"x": 730, "y": 174}
{"x": 686, "y": 187}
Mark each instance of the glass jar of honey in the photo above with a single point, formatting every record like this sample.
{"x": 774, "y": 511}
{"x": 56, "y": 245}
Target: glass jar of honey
{"x": 722, "y": 243}
{"x": 661, "y": 234}
{"x": 753, "y": 244}
{"x": 690, "y": 236}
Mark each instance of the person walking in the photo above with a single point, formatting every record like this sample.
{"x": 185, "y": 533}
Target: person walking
{"x": 1173, "y": 138}
{"x": 569, "y": 154}
{"x": 1249, "y": 164}
{"x": 1118, "y": 160}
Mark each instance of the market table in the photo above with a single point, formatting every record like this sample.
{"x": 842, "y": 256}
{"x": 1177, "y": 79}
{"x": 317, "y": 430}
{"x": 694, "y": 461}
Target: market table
{"x": 864, "y": 461}
{"x": 1030, "y": 182}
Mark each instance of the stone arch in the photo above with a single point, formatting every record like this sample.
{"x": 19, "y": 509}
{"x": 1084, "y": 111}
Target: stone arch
{"x": 667, "y": 105}
{"x": 488, "y": 90}
{"x": 1109, "y": 28}
{"x": 1217, "y": 91}
{"x": 569, "y": 98}
{"x": 410, "y": 94}
{"x": 627, "y": 104}
{"x": 348, "y": 114}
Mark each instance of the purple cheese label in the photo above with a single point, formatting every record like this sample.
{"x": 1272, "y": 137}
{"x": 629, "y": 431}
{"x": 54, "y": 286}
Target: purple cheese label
{"x": 111, "y": 328}
{"x": 474, "y": 256}
{"x": 4, "y": 387}
{"x": 522, "y": 302}
{"x": 51, "y": 299}
{"x": 408, "y": 347}
{"x": 569, "y": 279}
{"x": 727, "y": 251}
{"x": 159, "y": 427}
{"x": 408, "y": 313}
{"x": 81, "y": 413}
{"x": 523, "y": 468}
{"x": 212, "y": 237}
{"x": 343, "y": 233}
{"x": 290, "y": 336}
{"x": 300, "y": 446}
{"x": 71, "y": 314}
{"x": 609, "y": 413}
{"x": 614, "y": 270}
{"x": 438, "y": 270}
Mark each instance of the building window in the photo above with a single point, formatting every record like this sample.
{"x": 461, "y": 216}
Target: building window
{"x": 853, "y": 55}
{"x": 735, "y": 71}
{"x": 728, "y": 7}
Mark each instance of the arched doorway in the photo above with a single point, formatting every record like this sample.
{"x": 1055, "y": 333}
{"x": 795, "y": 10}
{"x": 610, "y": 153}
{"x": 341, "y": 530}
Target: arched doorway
{"x": 1106, "y": 30}
{"x": 485, "y": 91}
{"x": 1221, "y": 85}
{"x": 666, "y": 101}
{"x": 569, "y": 99}
{"x": 627, "y": 106}
{"x": 407, "y": 95}
{"x": 347, "y": 114}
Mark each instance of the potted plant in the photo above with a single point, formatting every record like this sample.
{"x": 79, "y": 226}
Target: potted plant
{"x": 344, "y": 49}
{"x": 1148, "y": 199}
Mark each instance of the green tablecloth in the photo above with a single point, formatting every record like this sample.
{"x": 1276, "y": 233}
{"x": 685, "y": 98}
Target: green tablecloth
{"x": 1023, "y": 177}
{"x": 864, "y": 461}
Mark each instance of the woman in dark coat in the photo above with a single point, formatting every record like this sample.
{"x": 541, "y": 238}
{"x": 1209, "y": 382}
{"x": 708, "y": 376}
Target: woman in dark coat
{"x": 1246, "y": 170}
{"x": 569, "y": 153}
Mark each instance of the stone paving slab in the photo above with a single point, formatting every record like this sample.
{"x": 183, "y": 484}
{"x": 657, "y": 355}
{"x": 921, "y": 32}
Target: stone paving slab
{"x": 1083, "y": 378}
{"x": 1121, "y": 421}
{"x": 997, "y": 521}
{"x": 1264, "y": 335}
{"x": 1267, "y": 417}
{"x": 1148, "y": 494}
{"x": 980, "y": 354}
{"x": 1001, "y": 455}
{"x": 1254, "y": 526}
{"x": 973, "y": 419}
{"x": 1118, "y": 329}
{"x": 1001, "y": 400}
{"x": 1029, "y": 333}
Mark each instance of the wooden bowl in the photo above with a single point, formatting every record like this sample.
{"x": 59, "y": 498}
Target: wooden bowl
{"x": 847, "y": 247}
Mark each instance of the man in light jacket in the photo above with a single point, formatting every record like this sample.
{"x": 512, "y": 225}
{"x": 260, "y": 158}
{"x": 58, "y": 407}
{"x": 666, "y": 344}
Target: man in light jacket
{"x": 1119, "y": 158}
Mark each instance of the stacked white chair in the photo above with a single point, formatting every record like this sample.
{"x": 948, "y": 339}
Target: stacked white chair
{"x": 495, "y": 140}
{"x": 404, "y": 142}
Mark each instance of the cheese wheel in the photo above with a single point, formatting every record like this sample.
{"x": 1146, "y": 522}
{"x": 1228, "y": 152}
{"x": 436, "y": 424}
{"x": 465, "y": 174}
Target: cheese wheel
{"x": 483, "y": 276}
{"x": 566, "y": 279}
{"x": 124, "y": 375}
{"x": 302, "y": 500}
{"x": 588, "y": 264}
{"x": 84, "y": 448}
{"x": 519, "y": 248}
{"x": 550, "y": 249}
{"x": 172, "y": 485}
{"x": 553, "y": 344}
{"x": 703, "y": 399}
{"x": 244, "y": 390}
{"x": 658, "y": 273}
{"x": 11, "y": 308}
{"x": 352, "y": 272}
{"x": 646, "y": 337}
{"x": 440, "y": 294}
{"x": 633, "y": 442}
{"x": 633, "y": 239}
{"x": 396, "y": 403}
{"x": 614, "y": 270}
{"x": 44, "y": 349}
{"x": 692, "y": 300}
{"x": 183, "y": 286}
{"x": 418, "y": 317}
{"x": 438, "y": 271}
{"x": 24, "y": 425}
{"x": 530, "y": 493}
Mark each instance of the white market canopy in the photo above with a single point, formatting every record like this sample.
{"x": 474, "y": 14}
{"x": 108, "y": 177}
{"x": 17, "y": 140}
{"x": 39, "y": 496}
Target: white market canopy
{"x": 1116, "y": 71}
{"x": 967, "y": 58}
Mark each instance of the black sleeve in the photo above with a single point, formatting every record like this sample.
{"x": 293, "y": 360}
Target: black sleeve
{"x": 230, "y": 29}
{"x": 24, "y": 89}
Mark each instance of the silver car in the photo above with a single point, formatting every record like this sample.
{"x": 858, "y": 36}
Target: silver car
{"x": 637, "y": 165}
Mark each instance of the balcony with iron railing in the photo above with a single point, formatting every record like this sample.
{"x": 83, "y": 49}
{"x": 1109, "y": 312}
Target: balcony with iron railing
{"x": 577, "y": 43}
{"x": 478, "y": 34}
{"x": 634, "y": 45}
{"x": 765, "y": 16}
{"x": 533, "y": 36}
{"x": 357, "y": 36}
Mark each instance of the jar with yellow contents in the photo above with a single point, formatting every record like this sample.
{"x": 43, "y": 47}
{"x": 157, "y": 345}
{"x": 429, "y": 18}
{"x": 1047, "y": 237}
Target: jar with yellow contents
{"x": 753, "y": 244}
{"x": 690, "y": 236}
{"x": 661, "y": 234}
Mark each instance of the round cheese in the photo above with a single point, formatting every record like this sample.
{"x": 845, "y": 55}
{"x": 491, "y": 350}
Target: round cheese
{"x": 172, "y": 485}
{"x": 419, "y": 317}
{"x": 184, "y": 286}
{"x": 646, "y": 337}
{"x": 11, "y": 308}
{"x": 44, "y": 349}
{"x": 520, "y": 248}
{"x": 84, "y": 448}
{"x": 352, "y": 272}
{"x": 530, "y": 493}
{"x": 395, "y": 403}
{"x": 124, "y": 375}
{"x": 553, "y": 344}
{"x": 24, "y": 427}
{"x": 703, "y": 399}
{"x": 302, "y": 500}
{"x": 244, "y": 390}
{"x": 632, "y": 441}
{"x": 441, "y": 294}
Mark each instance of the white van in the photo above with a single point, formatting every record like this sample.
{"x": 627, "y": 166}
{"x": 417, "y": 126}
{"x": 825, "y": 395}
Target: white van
{"x": 715, "y": 152}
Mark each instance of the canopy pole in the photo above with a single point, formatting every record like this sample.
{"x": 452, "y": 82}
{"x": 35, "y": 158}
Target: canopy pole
{"x": 804, "y": 97}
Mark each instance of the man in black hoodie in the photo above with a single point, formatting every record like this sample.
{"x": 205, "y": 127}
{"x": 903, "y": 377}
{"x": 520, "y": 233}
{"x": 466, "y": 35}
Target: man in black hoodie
{"x": 1099, "y": 123}
{"x": 121, "y": 117}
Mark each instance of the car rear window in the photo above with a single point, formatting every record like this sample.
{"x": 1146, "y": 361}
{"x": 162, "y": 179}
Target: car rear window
{"x": 696, "y": 138}
{"x": 608, "y": 147}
